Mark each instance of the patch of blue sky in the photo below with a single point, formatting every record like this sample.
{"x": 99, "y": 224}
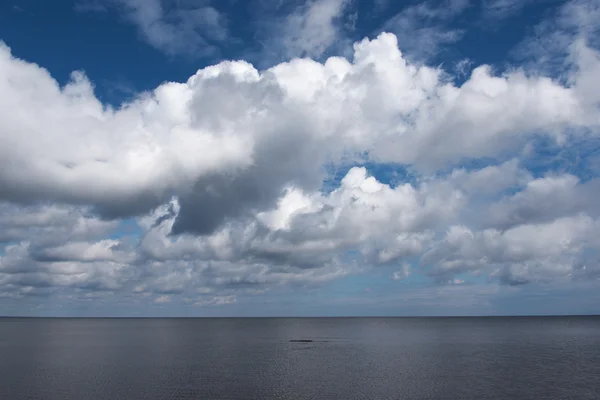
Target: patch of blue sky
{"x": 5, "y": 245}
{"x": 9, "y": 242}
{"x": 380, "y": 278}
{"x": 579, "y": 157}
{"x": 469, "y": 278}
{"x": 111, "y": 54}
{"x": 127, "y": 228}
{"x": 491, "y": 39}
{"x": 357, "y": 284}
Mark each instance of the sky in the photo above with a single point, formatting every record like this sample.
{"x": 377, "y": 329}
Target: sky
{"x": 299, "y": 157}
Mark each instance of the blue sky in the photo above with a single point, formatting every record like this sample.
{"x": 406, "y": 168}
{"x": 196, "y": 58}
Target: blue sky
{"x": 292, "y": 157}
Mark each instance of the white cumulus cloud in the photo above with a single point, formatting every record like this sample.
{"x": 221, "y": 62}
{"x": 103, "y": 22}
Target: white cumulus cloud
{"x": 222, "y": 174}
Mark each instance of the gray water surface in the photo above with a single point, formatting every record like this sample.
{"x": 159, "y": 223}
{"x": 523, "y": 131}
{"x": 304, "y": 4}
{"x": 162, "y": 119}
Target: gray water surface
{"x": 329, "y": 358}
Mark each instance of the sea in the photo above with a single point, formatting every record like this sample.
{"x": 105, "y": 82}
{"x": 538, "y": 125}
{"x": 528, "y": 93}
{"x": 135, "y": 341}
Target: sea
{"x": 478, "y": 358}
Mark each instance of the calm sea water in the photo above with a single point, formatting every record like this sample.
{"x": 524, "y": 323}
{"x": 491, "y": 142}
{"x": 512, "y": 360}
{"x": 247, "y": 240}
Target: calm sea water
{"x": 348, "y": 358}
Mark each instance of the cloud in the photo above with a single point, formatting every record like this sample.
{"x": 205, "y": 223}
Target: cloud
{"x": 163, "y": 299}
{"x": 312, "y": 28}
{"x": 90, "y": 6}
{"x": 497, "y": 10}
{"x": 546, "y": 199}
{"x": 191, "y": 29}
{"x": 308, "y": 29}
{"x": 104, "y": 250}
{"x": 424, "y": 28}
{"x": 565, "y": 38}
{"x": 491, "y": 179}
{"x": 216, "y": 301}
{"x": 402, "y": 274}
{"x": 381, "y": 4}
{"x": 214, "y": 140}
{"x": 462, "y": 67}
{"x": 51, "y": 224}
{"x": 526, "y": 253}
{"x": 223, "y": 176}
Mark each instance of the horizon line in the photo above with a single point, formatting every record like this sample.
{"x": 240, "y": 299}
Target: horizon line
{"x": 306, "y": 317}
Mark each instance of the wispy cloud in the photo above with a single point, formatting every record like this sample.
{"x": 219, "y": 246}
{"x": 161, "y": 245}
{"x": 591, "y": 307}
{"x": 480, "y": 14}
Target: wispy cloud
{"x": 380, "y": 5}
{"x": 313, "y": 29}
{"x": 401, "y": 274}
{"x": 462, "y": 68}
{"x": 192, "y": 29}
{"x": 497, "y": 10}
{"x": 163, "y": 299}
{"x": 553, "y": 43}
{"x": 216, "y": 301}
{"x": 422, "y": 29}
{"x": 90, "y": 6}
